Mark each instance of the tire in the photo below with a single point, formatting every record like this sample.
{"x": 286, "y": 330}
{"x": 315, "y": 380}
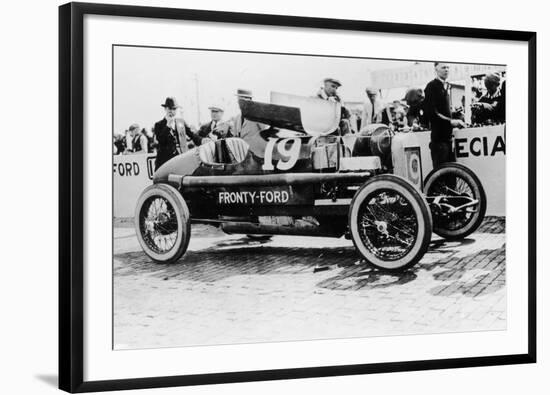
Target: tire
{"x": 458, "y": 225}
{"x": 371, "y": 225}
{"x": 171, "y": 225}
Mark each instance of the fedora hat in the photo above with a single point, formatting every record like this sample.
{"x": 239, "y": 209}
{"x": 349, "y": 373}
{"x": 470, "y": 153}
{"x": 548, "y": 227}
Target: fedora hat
{"x": 244, "y": 93}
{"x": 170, "y": 102}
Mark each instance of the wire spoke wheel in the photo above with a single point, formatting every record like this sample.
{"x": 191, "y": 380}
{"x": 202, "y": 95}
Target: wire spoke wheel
{"x": 162, "y": 223}
{"x": 457, "y": 200}
{"x": 387, "y": 224}
{"x": 451, "y": 193}
{"x": 390, "y": 223}
{"x": 158, "y": 224}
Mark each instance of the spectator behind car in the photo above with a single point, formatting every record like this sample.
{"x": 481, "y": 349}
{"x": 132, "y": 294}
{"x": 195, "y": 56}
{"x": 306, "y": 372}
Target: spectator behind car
{"x": 329, "y": 91}
{"x": 242, "y": 127}
{"x": 490, "y": 107}
{"x": 437, "y": 108}
{"x": 216, "y": 128}
{"x": 373, "y": 108}
{"x": 119, "y": 144}
{"x": 416, "y": 119}
{"x": 171, "y": 133}
{"x": 140, "y": 142}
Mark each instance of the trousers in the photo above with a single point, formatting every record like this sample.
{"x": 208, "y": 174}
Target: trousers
{"x": 442, "y": 152}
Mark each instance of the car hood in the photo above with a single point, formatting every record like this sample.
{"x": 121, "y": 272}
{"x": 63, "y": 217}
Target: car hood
{"x": 182, "y": 165}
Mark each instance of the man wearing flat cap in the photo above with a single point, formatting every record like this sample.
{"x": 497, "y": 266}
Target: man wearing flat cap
{"x": 490, "y": 106}
{"x": 329, "y": 91}
{"x": 171, "y": 133}
{"x": 140, "y": 142}
{"x": 216, "y": 128}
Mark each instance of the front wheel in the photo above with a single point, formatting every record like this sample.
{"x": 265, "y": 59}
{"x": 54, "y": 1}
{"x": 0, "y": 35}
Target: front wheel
{"x": 162, "y": 223}
{"x": 390, "y": 223}
{"x": 457, "y": 200}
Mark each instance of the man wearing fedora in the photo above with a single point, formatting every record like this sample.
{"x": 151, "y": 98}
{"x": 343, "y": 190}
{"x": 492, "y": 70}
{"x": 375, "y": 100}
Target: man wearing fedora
{"x": 171, "y": 133}
{"x": 216, "y": 128}
{"x": 329, "y": 91}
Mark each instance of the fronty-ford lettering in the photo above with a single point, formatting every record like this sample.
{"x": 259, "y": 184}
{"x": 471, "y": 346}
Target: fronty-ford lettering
{"x": 253, "y": 197}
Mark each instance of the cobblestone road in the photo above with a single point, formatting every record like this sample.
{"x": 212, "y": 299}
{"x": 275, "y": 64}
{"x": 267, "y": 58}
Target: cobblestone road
{"x": 229, "y": 289}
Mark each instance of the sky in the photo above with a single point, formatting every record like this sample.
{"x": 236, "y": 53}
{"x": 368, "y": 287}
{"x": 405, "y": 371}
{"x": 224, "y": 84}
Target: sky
{"x": 144, "y": 77}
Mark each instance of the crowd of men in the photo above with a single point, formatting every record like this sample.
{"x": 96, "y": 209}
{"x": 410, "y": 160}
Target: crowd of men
{"x": 420, "y": 109}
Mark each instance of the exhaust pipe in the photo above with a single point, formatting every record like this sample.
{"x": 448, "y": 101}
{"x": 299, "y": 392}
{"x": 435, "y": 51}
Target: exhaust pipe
{"x": 300, "y": 228}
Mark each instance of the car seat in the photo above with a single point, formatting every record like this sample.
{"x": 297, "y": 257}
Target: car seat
{"x": 224, "y": 151}
{"x": 207, "y": 152}
{"x": 238, "y": 148}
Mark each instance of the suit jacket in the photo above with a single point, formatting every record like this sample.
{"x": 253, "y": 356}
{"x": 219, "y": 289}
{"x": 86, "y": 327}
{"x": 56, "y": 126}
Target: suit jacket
{"x": 437, "y": 109}
{"x": 245, "y": 128}
{"x": 169, "y": 140}
{"x": 497, "y": 107}
{"x": 223, "y": 129}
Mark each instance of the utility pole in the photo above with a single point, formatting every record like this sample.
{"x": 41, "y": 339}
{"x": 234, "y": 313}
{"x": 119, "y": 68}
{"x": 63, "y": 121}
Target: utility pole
{"x": 197, "y": 99}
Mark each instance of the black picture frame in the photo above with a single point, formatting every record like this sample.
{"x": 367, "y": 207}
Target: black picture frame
{"x": 71, "y": 172}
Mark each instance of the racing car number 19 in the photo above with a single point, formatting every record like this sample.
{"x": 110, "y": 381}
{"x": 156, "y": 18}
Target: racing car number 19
{"x": 292, "y": 153}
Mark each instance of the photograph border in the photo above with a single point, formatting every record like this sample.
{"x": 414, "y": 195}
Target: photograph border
{"x": 71, "y": 195}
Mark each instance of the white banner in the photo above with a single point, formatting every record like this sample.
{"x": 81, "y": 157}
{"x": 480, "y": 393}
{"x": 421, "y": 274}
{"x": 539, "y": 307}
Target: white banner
{"x": 132, "y": 174}
{"x": 483, "y": 150}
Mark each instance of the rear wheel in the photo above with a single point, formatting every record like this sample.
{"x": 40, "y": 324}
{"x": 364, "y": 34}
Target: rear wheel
{"x": 162, "y": 223}
{"x": 457, "y": 200}
{"x": 390, "y": 223}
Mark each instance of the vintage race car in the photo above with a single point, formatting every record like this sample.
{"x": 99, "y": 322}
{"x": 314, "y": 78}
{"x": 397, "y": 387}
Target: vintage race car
{"x": 297, "y": 176}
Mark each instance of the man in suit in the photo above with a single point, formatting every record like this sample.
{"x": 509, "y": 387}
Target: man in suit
{"x": 437, "y": 109}
{"x": 216, "y": 128}
{"x": 242, "y": 127}
{"x": 171, "y": 133}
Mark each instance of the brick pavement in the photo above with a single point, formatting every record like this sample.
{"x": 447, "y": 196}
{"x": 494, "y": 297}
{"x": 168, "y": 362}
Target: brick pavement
{"x": 228, "y": 289}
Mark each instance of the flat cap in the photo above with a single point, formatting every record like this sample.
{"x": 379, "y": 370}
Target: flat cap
{"x": 333, "y": 80}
